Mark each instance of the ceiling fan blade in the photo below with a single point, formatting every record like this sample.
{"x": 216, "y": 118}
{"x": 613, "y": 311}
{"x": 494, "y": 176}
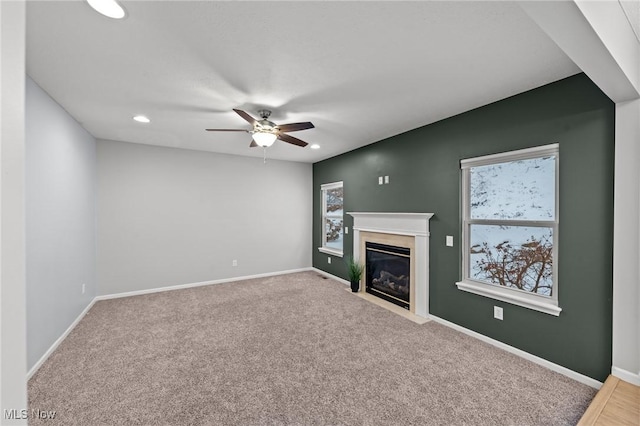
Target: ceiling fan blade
{"x": 227, "y": 130}
{"x": 291, "y": 140}
{"x": 294, "y": 127}
{"x": 246, "y": 116}
{"x": 253, "y": 144}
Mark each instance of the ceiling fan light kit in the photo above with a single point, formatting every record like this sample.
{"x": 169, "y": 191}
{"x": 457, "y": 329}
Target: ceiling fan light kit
{"x": 266, "y": 132}
{"x": 265, "y": 139}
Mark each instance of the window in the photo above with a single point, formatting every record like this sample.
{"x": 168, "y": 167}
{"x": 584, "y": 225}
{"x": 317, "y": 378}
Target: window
{"x": 332, "y": 218}
{"x": 510, "y": 227}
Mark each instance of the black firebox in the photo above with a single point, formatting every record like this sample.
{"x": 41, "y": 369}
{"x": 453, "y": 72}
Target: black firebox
{"x": 388, "y": 269}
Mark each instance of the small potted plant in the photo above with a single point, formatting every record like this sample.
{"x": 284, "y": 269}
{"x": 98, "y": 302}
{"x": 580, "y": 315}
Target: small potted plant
{"x": 355, "y": 270}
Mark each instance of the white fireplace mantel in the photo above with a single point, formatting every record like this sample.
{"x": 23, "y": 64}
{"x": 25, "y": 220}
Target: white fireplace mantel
{"x": 415, "y": 225}
{"x": 392, "y": 223}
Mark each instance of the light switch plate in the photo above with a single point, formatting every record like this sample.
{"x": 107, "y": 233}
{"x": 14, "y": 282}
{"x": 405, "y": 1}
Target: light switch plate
{"x": 346, "y": 229}
{"x": 379, "y": 180}
{"x": 449, "y": 241}
{"x": 386, "y": 179}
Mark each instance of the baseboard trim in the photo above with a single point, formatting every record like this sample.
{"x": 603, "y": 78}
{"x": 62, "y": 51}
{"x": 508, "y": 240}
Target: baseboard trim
{"x": 199, "y": 284}
{"x": 326, "y": 274}
{"x": 625, "y": 375}
{"x": 60, "y": 339}
{"x": 526, "y": 355}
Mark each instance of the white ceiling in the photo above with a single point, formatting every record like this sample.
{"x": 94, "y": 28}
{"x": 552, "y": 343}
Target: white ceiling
{"x": 360, "y": 71}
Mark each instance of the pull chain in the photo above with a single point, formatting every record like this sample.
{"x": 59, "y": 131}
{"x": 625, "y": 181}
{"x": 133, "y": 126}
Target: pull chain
{"x": 264, "y": 155}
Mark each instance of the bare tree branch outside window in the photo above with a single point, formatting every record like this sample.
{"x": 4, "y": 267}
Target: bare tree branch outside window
{"x": 527, "y": 266}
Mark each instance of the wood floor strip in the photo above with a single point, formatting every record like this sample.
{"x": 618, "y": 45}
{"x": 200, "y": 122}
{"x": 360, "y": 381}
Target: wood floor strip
{"x": 597, "y": 405}
{"x": 617, "y": 403}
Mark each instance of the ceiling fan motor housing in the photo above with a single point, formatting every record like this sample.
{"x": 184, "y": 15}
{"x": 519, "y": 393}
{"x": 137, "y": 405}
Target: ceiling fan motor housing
{"x": 265, "y": 126}
{"x": 264, "y": 113}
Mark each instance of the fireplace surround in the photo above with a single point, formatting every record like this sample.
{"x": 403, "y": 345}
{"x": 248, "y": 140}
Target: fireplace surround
{"x": 408, "y": 231}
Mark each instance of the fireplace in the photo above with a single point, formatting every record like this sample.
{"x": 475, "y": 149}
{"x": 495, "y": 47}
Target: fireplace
{"x": 388, "y": 273}
{"x": 400, "y": 243}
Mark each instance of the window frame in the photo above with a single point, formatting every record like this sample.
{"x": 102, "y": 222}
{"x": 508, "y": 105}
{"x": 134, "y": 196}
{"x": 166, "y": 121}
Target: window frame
{"x": 546, "y": 304}
{"x": 323, "y": 218}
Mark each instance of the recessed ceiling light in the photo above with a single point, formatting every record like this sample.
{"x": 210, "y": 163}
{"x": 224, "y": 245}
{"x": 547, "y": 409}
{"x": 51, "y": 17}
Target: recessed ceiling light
{"x": 109, "y": 8}
{"x": 315, "y": 146}
{"x": 141, "y": 119}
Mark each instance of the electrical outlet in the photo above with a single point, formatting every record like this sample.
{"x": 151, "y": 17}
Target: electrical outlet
{"x": 329, "y": 260}
{"x": 497, "y": 313}
{"x": 83, "y": 288}
{"x": 386, "y": 179}
{"x": 234, "y": 262}
{"x": 380, "y": 180}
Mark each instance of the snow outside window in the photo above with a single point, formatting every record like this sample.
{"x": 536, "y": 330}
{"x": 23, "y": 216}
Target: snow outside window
{"x": 332, "y": 218}
{"x": 510, "y": 227}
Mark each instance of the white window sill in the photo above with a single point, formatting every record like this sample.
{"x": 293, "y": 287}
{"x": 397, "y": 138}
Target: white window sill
{"x": 332, "y": 252}
{"x": 509, "y": 296}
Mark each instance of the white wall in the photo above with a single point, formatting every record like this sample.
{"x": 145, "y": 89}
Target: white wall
{"x": 626, "y": 249}
{"x": 60, "y": 220}
{"x": 169, "y": 216}
{"x": 13, "y": 370}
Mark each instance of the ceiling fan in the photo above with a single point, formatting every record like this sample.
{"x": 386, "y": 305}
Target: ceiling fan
{"x": 266, "y": 132}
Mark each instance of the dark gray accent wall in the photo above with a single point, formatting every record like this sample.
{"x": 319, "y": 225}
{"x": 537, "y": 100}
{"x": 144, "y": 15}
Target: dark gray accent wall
{"x": 424, "y": 170}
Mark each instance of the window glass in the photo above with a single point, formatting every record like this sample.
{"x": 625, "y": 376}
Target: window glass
{"x": 518, "y": 257}
{"x": 334, "y": 233}
{"x": 520, "y": 190}
{"x": 333, "y": 217}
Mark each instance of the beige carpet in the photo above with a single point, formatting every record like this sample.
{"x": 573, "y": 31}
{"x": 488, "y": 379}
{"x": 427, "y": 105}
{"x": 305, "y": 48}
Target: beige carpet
{"x": 292, "y": 349}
